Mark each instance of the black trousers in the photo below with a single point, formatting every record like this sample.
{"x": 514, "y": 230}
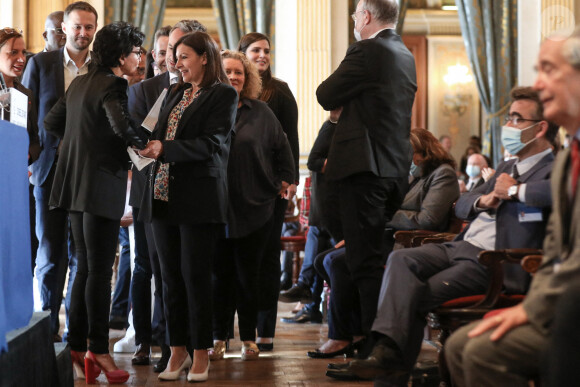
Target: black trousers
{"x": 96, "y": 244}
{"x": 270, "y": 274}
{"x": 186, "y": 256}
{"x": 366, "y": 203}
{"x": 236, "y": 282}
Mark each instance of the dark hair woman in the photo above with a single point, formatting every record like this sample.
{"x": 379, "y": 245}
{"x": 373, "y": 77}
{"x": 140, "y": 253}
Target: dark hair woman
{"x": 259, "y": 170}
{"x": 12, "y": 62}
{"x": 186, "y": 196}
{"x": 91, "y": 182}
{"x": 279, "y": 98}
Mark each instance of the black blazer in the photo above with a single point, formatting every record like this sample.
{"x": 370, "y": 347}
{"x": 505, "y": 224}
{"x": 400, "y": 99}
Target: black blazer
{"x": 197, "y": 157}
{"x": 142, "y": 97}
{"x": 93, "y": 122}
{"x": 376, "y": 85}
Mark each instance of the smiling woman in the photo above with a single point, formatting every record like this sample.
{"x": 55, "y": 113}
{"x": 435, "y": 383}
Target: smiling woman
{"x": 12, "y": 61}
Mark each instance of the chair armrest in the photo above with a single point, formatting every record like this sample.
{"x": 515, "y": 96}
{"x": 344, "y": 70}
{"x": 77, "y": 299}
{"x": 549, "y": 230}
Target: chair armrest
{"x": 531, "y": 263}
{"x": 439, "y": 238}
{"x": 405, "y": 237}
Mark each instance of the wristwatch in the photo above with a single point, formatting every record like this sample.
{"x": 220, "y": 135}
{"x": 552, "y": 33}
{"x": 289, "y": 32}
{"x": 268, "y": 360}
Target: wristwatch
{"x": 513, "y": 192}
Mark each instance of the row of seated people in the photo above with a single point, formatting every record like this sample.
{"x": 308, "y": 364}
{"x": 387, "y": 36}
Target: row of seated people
{"x": 510, "y": 210}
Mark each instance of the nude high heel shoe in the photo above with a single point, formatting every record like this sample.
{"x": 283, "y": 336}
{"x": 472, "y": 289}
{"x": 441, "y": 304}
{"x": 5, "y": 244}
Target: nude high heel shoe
{"x": 174, "y": 375}
{"x": 191, "y": 377}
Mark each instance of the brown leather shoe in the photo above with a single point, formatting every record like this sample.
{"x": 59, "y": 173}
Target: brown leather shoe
{"x": 142, "y": 355}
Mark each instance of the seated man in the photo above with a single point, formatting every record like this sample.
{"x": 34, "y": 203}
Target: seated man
{"x": 504, "y": 350}
{"x": 508, "y": 211}
{"x": 475, "y": 166}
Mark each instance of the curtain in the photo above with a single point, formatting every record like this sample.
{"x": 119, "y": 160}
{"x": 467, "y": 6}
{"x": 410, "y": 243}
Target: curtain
{"x": 238, "y": 17}
{"x": 147, "y": 15}
{"x": 489, "y": 29}
{"x": 402, "y": 12}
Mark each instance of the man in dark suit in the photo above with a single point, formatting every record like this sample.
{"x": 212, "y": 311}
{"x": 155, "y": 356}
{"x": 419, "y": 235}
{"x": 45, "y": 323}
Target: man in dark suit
{"x": 48, "y": 75}
{"x": 504, "y": 350}
{"x": 370, "y": 152}
{"x": 508, "y": 211}
{"x": 142, "y": 97}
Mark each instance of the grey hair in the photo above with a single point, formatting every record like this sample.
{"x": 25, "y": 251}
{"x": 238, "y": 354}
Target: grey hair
{"x": 571, "y": 49}
{"x": 189, "y": 26}
{"x": 385, "y": 11}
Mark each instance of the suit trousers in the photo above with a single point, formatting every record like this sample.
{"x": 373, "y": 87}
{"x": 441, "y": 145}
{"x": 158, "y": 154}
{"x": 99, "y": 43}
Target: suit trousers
{"x": 270, "y": 274}
{"x": 508, "y": 362}
{"x": 366, "y": 203}
{"x": 120, "y": 304}
{"x": 186, "y": 256}
{"x": 96, "y": 244}
{"x": 236, "y": 273}
{"x": 416, "y": 280}
{"x": 56, "y": 253}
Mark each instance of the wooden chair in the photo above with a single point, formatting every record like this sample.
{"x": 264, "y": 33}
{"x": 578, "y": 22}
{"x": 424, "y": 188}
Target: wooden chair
{"x": 461, "y": 311}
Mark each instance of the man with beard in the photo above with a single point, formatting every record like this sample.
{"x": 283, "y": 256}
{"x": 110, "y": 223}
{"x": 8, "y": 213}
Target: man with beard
{"x": 48, "y": 75}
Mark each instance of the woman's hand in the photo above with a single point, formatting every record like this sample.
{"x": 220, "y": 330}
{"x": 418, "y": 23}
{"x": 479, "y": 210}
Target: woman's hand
{"x": 153, "y": 150}
{"x": 283, "y": 190}
{"x": 290, "y": 191}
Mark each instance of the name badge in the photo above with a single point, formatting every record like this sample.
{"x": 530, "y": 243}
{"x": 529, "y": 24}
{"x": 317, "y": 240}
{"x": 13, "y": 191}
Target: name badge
{"x": 529, "y": 214}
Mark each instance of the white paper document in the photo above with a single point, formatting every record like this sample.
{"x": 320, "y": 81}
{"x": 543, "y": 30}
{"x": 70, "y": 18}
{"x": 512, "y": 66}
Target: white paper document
{"x": 139, "y": 161}
{"x": 151, "y": 120}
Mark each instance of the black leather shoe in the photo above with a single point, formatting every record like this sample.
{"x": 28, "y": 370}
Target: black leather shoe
{"x": 383, "y": 361}
{"x": 347, "y": 351}
{"x": 162, "y": 363}
{"x": 343, "y": 374}
{"x": 304, "y": 316}
{"x": 298, "y": 292}
{"x": 142, "y": 355}
{"x": 337, "y": 366}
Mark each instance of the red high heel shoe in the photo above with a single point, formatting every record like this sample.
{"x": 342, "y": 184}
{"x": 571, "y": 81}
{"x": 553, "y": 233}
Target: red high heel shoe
{"x": 93, "y": 369}
{"x": 78, "y": 363}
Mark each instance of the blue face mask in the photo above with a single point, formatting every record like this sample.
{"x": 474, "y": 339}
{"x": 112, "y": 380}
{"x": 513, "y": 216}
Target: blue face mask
{"x": 415, "y": 170}
{"x": 472, "y": 170}
{"x": 511, "y": 138}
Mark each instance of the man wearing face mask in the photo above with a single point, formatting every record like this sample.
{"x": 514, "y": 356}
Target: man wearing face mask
{"x": 508, "y": 211}
{"x": 369, "y": 155}
{"x": 475, "y": 165}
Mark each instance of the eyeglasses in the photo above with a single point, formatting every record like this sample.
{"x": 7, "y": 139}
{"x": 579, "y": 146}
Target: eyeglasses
{"x": 515, "y": 120}
{"x": 57, "y": 31}
{"x": 354, "y": 14}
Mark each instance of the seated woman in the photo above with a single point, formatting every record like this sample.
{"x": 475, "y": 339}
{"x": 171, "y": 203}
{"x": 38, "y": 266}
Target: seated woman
{"x": 260, "y": 169}
{"x": 432, "y": 192}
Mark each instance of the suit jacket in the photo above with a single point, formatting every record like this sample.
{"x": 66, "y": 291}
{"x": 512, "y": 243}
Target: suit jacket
{"x": 93, "y": 120}
{"x": 560, "y": 267}
{"x": 510, "y": 232}
{"x": 197, "y": 157}
{"x": 142, "y": 97}
{"x": 427, "y": 204}
{"x": 375, "y": 84}
{"x": 44, "y": 75}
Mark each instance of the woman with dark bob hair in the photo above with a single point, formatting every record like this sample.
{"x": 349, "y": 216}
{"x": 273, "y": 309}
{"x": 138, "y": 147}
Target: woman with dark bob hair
{"x": 186, "y": 196}
{"x": 260, "y": 169}
{"x": 91, "y": 183}
{"x": 279, "y": 98}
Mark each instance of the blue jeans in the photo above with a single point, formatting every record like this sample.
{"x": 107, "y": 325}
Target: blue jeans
{"x": 317, "y": 240}
{"x": 120, "y": 303}
{"x": 56, "y": 254}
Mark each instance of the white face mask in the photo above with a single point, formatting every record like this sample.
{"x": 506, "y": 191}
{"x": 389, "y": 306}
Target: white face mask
{"x": 357, "y": 33}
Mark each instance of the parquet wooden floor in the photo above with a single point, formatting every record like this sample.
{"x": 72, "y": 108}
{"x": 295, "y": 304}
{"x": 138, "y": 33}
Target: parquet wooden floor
{"x": 287, "y": 365}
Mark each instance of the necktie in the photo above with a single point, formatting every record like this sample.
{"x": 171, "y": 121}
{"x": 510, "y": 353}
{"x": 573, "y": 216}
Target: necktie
{"x": 575, "y": 156}
{"x": 515, "y": 173}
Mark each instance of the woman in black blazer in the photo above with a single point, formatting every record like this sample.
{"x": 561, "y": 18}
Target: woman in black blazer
{"x": 279, "y": 98}
{"x": 186, "y": 196}
{"x": 91, "y": 183}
